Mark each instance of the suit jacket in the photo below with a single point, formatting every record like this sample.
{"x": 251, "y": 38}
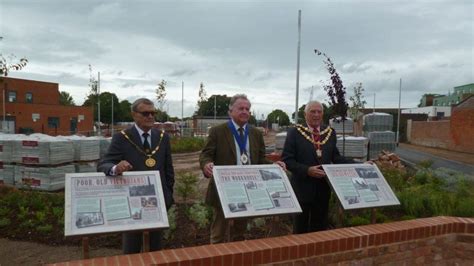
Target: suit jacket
{"x": 220, "y": 149}
{"x": 299, "y": 154}
{"x": 122, "y": 149}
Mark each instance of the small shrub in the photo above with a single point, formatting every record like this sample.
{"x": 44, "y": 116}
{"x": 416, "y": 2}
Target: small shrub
{"x": 357, "y": 220}
{"x": 186, "y": 185}
{"x": 4, "y": 222}
{"x": 44, "y": 229}
{"x": 186, "y": 144}
{"x": 200, "y": 214}
{"x": 425, "y": 164}
{"x": 169, "y": 233}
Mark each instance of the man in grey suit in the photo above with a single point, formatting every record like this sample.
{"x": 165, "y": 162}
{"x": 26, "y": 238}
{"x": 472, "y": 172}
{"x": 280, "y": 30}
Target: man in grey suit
{"x": 231, "y": 143}
{"x": 141, "y": 148}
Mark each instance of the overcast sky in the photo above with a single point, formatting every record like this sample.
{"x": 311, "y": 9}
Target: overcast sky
{"x": 243, "y": 47}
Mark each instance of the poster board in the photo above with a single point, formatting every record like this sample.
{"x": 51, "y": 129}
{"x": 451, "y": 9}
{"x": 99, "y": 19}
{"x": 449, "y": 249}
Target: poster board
{"x": 95, "y": 203}
{"x": 254, "y": 190}
{"x": 360, "y": 186}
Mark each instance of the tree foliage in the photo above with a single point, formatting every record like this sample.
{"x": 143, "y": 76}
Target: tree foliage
{"x": 279, "y": 117}
{"x": 106, "y": 99}
{"x": 202, "y": 96}
{"x": 206, "y": 108}
{"x": 125, "y": 112}
{"x": 335, "y": 90}
{"x": 6, "y": 65}
{"x": 358, "y": 101}
{"x": 161, "y": 94}
{"x": 66, "y": 99}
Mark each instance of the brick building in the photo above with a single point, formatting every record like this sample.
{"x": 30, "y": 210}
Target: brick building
{"x": 30, "y": 106}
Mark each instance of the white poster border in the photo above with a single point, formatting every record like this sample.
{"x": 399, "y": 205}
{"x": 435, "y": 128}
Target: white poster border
{"x": 150, "y": 214}
{"x": 271, "y": 203}
{"x": 367, "y": 182}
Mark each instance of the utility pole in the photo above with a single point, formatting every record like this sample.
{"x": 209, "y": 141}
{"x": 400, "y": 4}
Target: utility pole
{"x": 399, "y": 102}
{"x": 112, "y": 123}
{"x": 98, "y": 101}
{"x": 182, "y": 107}
{"x": 298, "y": 66}
{"x": 374, "y": 104}
{"x": 215, "y": 107}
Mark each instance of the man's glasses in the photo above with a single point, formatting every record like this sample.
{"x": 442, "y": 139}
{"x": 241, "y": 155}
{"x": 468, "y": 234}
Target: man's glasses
{"x": 147, "y": 114}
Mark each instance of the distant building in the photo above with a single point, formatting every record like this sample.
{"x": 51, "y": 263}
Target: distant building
{"x": 29, "y": 106}
{"x": 460, "y": 93}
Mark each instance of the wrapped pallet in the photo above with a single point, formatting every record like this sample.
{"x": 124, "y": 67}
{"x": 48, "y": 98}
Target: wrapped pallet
{"x": 377, "y": 122}
{"x": 39, "y": 149}
{"x": 354, "y": 147}
{"x": 7, "y": 174}
{"x": 85, "y": 167}
{"x": 342, "y": 127}
{"x": 42, "y": 178}
{"x": 381, "y": 141}
{"x": 85, "y": 148}
{"x": 104, "y": 145}
{"x": 280, "y": 141}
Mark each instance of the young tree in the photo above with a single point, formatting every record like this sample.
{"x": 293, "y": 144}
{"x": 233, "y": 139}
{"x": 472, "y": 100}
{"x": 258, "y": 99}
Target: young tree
{"x": 202, "y": 96}
{"x": 336, "y": 93}
{"x": 66, "y": 99}
{"x": 161, "y": 94}
{"x": 358, "y": 101}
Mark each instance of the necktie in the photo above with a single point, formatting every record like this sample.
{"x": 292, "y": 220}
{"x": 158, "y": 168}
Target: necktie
{"x": 241, "y": 133}
{"x": 146, "y": 144}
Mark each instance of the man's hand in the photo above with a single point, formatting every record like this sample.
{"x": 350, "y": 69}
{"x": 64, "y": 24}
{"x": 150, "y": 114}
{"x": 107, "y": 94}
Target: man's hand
{"x": 281, "y": 164}
{"x": 316, "y": 171}
{"x": 208, "y": 169}
{"x": 122, "y": 166}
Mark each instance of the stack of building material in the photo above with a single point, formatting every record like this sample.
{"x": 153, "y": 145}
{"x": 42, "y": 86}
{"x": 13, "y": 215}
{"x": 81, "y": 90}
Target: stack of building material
{"x": 85, "y": 148}
{"x": 39, "y": 149}
{"x": 280, "y": 141}
{"x": 377, "y": 122}
{"x": 85, "y": 167}
{"x": 7, "y": 174}
{"x": 354, "y": 147}
{"x": 346, "y": 127}
{"x": 7, "y": 170}
{"x": 381, "y": 141}
{"x": 377, "y": 128}
{"x": 104, "y": 145}
{"x": 49, "y": 178}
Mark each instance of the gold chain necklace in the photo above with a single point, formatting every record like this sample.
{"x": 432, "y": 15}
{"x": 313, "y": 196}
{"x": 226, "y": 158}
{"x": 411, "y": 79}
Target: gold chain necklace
{"x": 304, "y": 131}
{"x": 150, "y": 162}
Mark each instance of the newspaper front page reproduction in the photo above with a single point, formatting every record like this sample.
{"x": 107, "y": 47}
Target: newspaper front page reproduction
{"x": 360, "y": 186}
{"x": 96, "y": 203}
{"x": 255, "y": 190}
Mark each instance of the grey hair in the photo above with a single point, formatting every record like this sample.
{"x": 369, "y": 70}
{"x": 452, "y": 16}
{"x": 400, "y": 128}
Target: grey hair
{"x": 236, "y": 97}
{"x": 137, "y": 102}
{"x": 313, "y": 103}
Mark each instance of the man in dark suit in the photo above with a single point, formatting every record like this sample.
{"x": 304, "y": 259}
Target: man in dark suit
{"x": 231, "y": 143}
{"x": 305, "y": 150}
{"x": 141, "y": 148}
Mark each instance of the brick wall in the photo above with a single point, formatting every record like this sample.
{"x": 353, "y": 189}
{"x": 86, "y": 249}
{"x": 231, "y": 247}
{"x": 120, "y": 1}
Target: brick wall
{"x": 454, "y": 134}
{"x": 440, "y": 240}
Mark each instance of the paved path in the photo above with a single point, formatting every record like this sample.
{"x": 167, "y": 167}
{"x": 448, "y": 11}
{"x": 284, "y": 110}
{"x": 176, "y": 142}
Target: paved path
{"x": 413, "y": 155}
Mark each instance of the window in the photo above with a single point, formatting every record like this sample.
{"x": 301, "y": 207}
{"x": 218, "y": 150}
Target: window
{"x": 12, "y": 96}
{"x": 53, "y": 122}
{"x": 29, "y": 97}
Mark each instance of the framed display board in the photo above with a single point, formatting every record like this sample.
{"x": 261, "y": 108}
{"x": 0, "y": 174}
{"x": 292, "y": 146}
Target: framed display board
{"x": 360, "y": 186}
{"x": 254, "y": 190}
{"x": 95, "y": 203}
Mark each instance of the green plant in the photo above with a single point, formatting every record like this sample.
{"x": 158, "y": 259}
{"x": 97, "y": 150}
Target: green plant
{"x": 357, "y": 220}
{"x": 45, "y": 229}
{"x": 186, "y": 144}
{"x": 200, "y": 214}
{"x": 169, "y": 233}
{"x": 4, "y": 222}
{"x": 425, "y": 164}
{"x": 186, "y": 185}
{"x": 41, "y": 216}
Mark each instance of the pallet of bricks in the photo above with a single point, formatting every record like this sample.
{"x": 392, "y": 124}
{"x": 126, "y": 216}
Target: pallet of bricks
{"x": 377, "y": 128}
{"x": 349, "y": 145}
{"x": 40, "y": 161}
